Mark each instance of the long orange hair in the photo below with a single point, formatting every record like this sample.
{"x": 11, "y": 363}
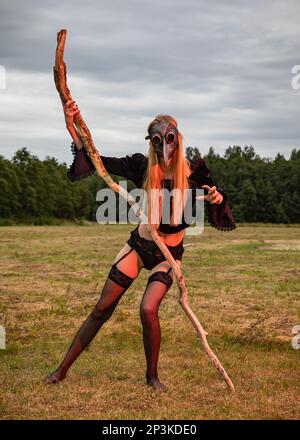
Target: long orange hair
{"x": 179, "y": 167}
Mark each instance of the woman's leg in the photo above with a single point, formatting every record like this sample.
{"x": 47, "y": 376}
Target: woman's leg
{"x": 124, "y": 270}
{"x": 159, "y": 281}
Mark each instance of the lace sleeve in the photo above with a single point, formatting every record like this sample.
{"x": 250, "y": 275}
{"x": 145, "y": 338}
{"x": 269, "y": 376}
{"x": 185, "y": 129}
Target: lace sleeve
{"x": 131, "y": 167}
{"x": 220, "y": 216}
{"x": 82, "y": 165}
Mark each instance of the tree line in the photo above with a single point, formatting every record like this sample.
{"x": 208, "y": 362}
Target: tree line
{"x": 259, "y": 189}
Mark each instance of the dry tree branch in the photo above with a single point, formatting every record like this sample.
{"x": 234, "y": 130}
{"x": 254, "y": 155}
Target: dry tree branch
{"x": 60, "y": 79}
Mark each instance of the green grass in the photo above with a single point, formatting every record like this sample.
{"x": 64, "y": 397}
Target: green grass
{"x": 242, "y": 285}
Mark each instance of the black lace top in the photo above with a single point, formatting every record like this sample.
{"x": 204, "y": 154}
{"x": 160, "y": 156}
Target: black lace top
{"x": 133, "y": 167}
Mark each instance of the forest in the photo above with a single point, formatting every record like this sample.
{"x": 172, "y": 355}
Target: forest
{"x": 35, "y": 191}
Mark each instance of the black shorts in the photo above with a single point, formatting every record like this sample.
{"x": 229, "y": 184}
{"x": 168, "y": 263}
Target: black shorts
{"x": 149, "y": 252}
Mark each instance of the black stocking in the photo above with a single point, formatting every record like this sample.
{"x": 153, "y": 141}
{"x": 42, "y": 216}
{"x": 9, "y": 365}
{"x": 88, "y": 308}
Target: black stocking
{"x": 119, "y": 279}
{"x": 158, "y": 285}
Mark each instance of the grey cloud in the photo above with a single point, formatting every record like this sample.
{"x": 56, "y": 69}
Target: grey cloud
{"x": 222, "y": 68}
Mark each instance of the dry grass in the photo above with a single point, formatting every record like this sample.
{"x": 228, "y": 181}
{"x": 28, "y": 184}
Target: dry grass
{"x": 243, "y": 286}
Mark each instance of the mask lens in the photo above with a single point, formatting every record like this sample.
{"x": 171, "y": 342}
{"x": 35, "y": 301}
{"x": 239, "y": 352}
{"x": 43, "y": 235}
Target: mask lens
{"x": 170, "y": 137}
{"x": 156, "y": 140}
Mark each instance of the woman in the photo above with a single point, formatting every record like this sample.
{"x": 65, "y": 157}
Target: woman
{"x": 165, "y": 167}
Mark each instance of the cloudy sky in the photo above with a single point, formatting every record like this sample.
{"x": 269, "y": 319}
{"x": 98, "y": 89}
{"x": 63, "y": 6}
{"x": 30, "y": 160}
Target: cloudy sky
{"x": 221, "y": 68}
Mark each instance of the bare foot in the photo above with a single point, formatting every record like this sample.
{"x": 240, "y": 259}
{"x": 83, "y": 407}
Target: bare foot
{"x": 155, "y": 383}
{"x": 55, "y": 377}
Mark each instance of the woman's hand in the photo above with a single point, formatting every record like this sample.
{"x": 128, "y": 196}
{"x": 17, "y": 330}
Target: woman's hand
{"x": 71, "y": 109}
{"x": 213, "y": 195}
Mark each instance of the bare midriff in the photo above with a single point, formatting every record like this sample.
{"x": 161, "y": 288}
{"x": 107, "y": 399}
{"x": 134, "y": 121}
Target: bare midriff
{"x": 168, "y": 239}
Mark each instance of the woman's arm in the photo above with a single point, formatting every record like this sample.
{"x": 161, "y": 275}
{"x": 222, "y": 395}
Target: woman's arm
{"x": 131, "y": 167}
{"x": 219, "y": 213}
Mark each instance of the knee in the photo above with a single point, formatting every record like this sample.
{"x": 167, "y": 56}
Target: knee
{"x": 102, "y": 310}
{"x": 148, "y": 312}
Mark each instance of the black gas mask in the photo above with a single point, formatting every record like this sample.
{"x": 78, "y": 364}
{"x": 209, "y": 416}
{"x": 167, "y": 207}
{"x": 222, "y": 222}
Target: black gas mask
{"x": 164, "y": 138}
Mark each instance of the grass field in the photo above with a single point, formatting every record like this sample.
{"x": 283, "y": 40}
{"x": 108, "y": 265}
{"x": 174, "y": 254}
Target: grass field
{"x": 243, "y": 286}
